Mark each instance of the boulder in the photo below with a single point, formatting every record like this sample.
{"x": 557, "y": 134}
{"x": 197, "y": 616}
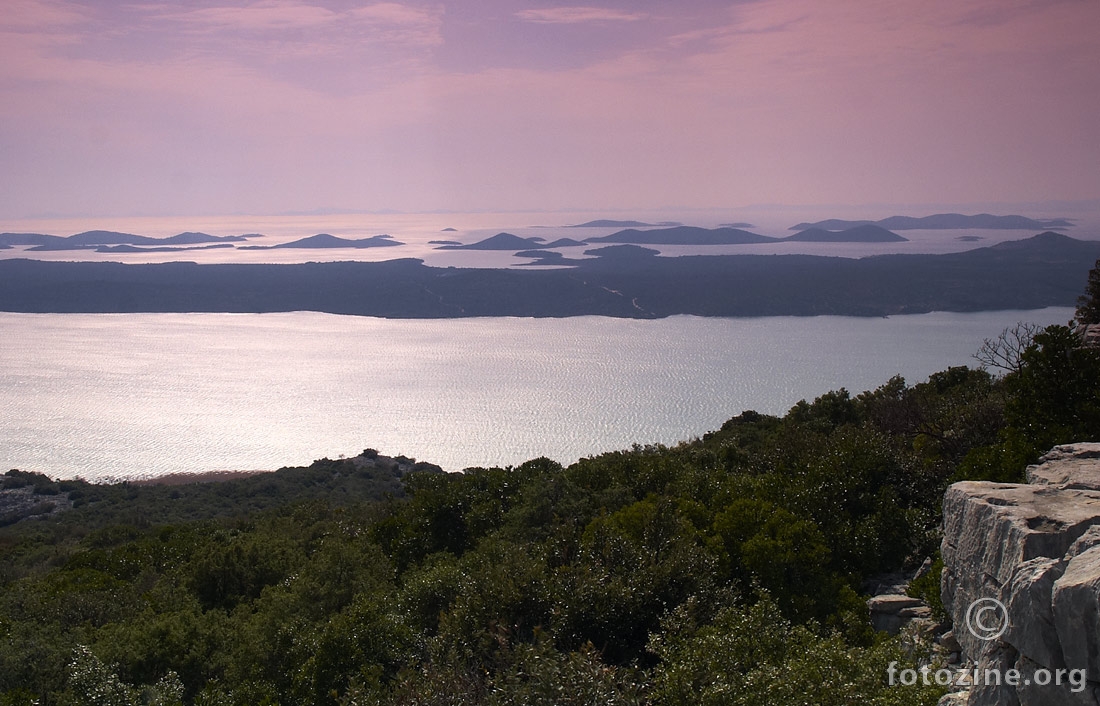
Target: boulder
{"x": 890, "y": 612}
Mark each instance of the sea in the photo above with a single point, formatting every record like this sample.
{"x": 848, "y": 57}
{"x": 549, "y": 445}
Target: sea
{"x": 124, "y": 396}
{"x": 108, "y": 397}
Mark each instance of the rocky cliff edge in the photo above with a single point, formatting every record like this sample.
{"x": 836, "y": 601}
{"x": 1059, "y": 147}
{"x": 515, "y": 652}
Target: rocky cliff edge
{"x": 1035, "y": 549}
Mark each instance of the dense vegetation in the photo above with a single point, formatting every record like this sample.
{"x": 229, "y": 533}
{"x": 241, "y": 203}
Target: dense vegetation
{"x": 725, "y": 570}
{"x": 1088, "y": 304}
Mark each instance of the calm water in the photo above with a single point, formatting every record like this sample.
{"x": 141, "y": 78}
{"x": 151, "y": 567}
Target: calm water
{"x": 112, "y": 396}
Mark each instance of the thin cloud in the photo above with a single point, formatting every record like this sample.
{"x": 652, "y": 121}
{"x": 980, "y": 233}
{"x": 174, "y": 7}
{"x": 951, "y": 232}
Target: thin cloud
{"x": 761, "y": 101}
{"x": 297, "y": 29}
{"x": 261, "y": 16}
{"x": 40, "y": 15}
{"x": 576, "y": 15}
{"x": 993, "y": 13}
{"x": 289, "y": 15}
{"x": 396, "y": 14}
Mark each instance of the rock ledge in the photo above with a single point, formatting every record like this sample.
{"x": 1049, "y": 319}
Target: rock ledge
{"x": 1035, "y": 548}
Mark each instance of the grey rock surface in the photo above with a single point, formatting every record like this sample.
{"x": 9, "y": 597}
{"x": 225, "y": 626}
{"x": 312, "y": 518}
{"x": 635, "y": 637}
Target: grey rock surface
{"x": 1068, "y": 466}
{"x": 1029, "y": 594}
{"x": 991, "y": 529}
{"x": 1076, "y": 609}
{"x": 1035, "y": 549}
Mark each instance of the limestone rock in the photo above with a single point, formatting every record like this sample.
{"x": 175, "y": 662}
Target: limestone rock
{"x": 991, "y": 529}
{"x": 892, "y": 603}
{"x": 949, "y": 643}
{"x": 891, "y": 611}
{"x": 1036, "y": 549}
{"x": 1088, "y": 540}
{"x": 1040, "y": 687}
{"x": 1000, "y": 659}
{"x": 1028, "y": 596}
{"x": 1076, "y": 607}
{"x": 1075, "y": 466}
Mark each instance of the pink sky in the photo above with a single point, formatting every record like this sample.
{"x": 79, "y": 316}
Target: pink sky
{"x": 214, "y": 106}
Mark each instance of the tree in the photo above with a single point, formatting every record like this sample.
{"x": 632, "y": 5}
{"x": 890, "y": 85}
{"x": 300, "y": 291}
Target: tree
{"x": 91, "y": 683}
{"x": 1053, "y": 398}
{"x": 1088, "y": 304}
{"x": 754, "y": 656}
{"x": 1056, "y": 393}
{"x": 1005, "y": 351}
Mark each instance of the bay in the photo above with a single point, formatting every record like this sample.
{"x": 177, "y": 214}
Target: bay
{"x": 114, "y": 396}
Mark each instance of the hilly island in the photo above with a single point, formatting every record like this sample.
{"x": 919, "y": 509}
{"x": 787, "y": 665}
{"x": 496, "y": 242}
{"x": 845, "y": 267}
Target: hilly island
{"x": 620, "y": 281}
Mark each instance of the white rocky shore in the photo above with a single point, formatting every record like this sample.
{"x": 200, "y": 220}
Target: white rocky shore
{"x": 1035, "y": 548}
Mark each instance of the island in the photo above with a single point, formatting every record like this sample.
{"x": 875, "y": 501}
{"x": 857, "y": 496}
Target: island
{"x": 93, "y": 239}
{"x": 326, "y": 240}
{"x": 946, "y": 221}
{"x": 500, "y": 241}
{"x": 135, "y": 248}
{"x": 868, "y": 233}
{"x": 1040, "y": 271}
{"x": 564, "y": 243}
{"x": 605, "y": 223}
{"x": 685, "y": 235}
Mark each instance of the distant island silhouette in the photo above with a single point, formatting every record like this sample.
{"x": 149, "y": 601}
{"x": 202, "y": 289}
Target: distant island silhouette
{"x": 500, "y": 241}
{"x": 868, "y": 233}
{"x": 564, "y": 243}
{"x": 604, "y": 223}
{"x": 613, "y": 252}
{"x": 326, "y": 240}
{"x": 621, "y": 280}
{"x": 676, "y": 235}
{"x": 944, "y": 221}
{"x": 92, "y": 239}
{"x": 622, "y": 251}
{"x": 106, "y": 241}
{"x": 685, "y": 235}
{"x": 134, "y": 248}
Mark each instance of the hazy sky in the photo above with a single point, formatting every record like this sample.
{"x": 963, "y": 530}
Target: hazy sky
{"x": 219, "y": 106}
